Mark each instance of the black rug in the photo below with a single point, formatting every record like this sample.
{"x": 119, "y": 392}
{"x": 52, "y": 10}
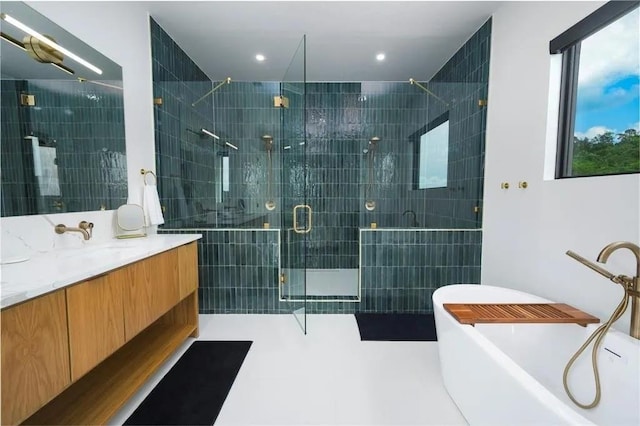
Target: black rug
{"x": 397, "y": 327}
{"x": 193, "y": 391}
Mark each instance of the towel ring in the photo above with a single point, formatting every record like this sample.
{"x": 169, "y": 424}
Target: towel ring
{"x": 148, "y": 172}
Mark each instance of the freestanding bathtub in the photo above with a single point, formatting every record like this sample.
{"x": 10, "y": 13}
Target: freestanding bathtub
{"x": 511, "y": 374}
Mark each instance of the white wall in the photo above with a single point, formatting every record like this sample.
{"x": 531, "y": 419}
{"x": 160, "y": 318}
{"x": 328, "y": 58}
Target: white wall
{"x": 527, "y": 232}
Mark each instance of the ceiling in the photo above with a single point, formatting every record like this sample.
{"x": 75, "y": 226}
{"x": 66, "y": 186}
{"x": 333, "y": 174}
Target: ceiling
{"x": 342, "y": 38}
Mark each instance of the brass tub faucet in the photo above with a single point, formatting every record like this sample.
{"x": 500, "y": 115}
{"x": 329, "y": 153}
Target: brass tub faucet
{"x": 84, "y": 227}
{"x": 630, "y": 284}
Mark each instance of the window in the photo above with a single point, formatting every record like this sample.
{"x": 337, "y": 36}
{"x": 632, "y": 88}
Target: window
{"x": 598, "y": 131}
{"x": 431, "y": 162}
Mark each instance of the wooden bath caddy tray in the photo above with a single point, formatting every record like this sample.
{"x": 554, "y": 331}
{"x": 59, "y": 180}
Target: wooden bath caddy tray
{"x": 475, "y": 313}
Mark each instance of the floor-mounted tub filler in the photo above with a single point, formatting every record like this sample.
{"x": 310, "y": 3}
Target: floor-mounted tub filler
{"x": 507, "y": 374}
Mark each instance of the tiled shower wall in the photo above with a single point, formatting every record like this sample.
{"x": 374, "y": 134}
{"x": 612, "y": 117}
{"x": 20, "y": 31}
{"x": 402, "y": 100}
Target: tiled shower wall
{"x": 188, "y": 162}
{"x": 400, "y": 269}
{"x": 85, "y": 124}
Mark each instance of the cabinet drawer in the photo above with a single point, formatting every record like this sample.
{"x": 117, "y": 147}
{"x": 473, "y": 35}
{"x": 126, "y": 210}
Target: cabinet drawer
{"x": 188, "y": 268}
{"x": 96, "y": 321}
{"x": 35, "y": 355}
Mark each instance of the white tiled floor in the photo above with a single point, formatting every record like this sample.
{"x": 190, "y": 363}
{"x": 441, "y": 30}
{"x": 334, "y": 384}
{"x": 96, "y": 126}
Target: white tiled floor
{"x": 328, "y": 377}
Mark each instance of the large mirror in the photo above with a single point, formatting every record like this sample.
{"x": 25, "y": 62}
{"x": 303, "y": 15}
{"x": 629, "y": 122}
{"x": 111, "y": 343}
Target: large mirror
{"x": 62, "y": 137}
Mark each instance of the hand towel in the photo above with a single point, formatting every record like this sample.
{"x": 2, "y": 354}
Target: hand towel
{"x": 151, "y": 206}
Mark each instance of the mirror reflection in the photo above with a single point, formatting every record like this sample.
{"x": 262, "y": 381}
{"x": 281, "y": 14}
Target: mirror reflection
{"x": 62, "y": 138}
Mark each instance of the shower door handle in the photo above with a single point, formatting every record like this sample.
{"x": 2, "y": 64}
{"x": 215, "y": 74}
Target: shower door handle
{"x": 295, "y": 219}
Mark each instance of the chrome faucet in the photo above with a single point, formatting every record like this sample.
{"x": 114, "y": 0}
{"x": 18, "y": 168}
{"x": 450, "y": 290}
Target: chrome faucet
{"x": 84, "y": 227}
{"x": 630, "y": 284}
{"x": 414, "y": 221}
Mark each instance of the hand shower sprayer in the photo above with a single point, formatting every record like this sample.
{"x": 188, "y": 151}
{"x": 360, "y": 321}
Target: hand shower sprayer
{"x": 268, "y": 144}
{"x": 369, "y": 203}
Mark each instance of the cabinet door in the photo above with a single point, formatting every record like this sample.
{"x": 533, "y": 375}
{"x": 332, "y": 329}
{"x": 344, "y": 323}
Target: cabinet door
{"x": 35, "y": 355}
{"x": 96, "y": 321}
{"x": 188, "y": 268}
{"x": 151, "y": 290}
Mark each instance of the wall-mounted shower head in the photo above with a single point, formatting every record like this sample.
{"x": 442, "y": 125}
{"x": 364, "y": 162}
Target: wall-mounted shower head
{"x": 268, "y": 142}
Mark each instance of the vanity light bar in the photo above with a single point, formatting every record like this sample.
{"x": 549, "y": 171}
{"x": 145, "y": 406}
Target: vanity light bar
{"x": 231, "y": 145}
{"x": 206, "y": 132}
{"x": 16, "y": 43}
{"x": 20, "y": 45}
{"x": 48, "y": 42}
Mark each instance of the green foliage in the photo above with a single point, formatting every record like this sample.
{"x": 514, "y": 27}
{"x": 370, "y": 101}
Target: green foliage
{"x": 607, "y": 154}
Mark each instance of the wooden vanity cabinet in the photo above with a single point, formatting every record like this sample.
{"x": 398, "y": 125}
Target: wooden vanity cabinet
{"x": 76, "y": 355}
{"x": 96, "y": 323}
{"x": 151, "y": 289}
{"x": 35, "y": 355}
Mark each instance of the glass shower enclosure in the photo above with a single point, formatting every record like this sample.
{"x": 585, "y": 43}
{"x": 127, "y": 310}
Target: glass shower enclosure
{"x": 297, "y": 214}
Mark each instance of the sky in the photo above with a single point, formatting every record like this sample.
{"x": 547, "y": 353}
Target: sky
{"x": 609, "y": 79}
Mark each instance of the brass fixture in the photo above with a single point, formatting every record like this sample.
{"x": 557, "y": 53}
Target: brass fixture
{"x": 38, "y": 51}
{"x": 283, "y": 279}
{"x": 84, "y": 227}
{"x": 266, "y": 225}
{"x": 144, "y": 174}
{"x": 631, "y": 286}
{"x": 281, "y": 102}
{"x": 504, "y": 185}
{"x": 307, "y": 229}
{"x": 157, "y": 101}
{"x": 57, "y": 204}
{"x": 268, "y": 144}
{"x": 482, "y": 102}
{"x": 523, "y": 184}
{"x": 370, "y": 203}
{"x": 99, "y": 83}
{"x": 222, "y": 83}
{"x": 27, "y": 100}
{"x": 414, "y": 82}
{"x": 374, "y": 225}
{"x": 476, "y": 209}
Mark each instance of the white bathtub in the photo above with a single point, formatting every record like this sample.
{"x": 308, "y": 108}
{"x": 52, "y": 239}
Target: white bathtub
{"x": 508, "y": 374}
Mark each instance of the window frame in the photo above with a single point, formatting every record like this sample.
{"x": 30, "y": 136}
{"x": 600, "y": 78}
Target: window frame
{"x": 568, "y": 44}
{"x": 415, "y": 138}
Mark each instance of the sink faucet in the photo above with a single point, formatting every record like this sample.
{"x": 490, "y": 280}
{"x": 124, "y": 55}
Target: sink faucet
{"x": 414, "y": 221}
{"x": 630, "y": 284}
{"x": 84, "y": 227}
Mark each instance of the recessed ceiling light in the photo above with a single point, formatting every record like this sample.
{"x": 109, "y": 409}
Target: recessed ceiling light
{"x": 380, "y": 56}
{"x": 260, "y": 57}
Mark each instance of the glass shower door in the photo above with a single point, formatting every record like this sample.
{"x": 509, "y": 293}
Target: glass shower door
{"x": 296, "y": 215}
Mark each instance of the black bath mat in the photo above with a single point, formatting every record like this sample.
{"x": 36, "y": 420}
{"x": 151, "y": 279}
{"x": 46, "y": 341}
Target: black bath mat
{"x": 193, "y": 391}
{"x": 397, "y": 327}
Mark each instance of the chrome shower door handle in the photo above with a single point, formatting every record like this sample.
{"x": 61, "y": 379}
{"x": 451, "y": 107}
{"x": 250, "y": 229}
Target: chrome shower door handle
{"x": 295, "y": 219}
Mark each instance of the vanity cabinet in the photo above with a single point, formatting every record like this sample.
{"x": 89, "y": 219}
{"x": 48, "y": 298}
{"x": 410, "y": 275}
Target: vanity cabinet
{"x": 152, "y": 288}
{"x": 76, "y": 355}
{"x": 96, "y": 323}
{"x": 35, "y": 355}
{"x": 188, "y": 269}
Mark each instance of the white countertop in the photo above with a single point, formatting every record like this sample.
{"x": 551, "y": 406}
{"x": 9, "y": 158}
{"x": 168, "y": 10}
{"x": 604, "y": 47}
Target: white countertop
{"x": 56, "y": 269}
